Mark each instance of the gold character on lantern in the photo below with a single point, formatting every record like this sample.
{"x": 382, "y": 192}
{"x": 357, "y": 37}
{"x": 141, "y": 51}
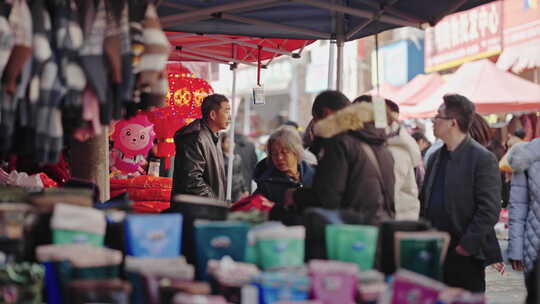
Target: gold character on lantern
{"x": 199, "y": 96}
{"x": 182, "y": 97}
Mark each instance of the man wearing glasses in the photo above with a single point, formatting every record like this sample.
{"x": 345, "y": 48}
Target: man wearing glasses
{"x": 461, "y": 195}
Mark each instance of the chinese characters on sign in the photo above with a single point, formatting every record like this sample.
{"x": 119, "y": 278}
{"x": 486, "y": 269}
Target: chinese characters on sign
{"x": 465, "y": 36}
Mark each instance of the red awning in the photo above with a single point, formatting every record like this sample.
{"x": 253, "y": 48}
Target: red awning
{"x": 520, "y": 57}
{"x": 219, "y": 48}
{"x": 386, "y": 90}
{"x": 491, "y": 89}
{"x": 419, "y": 88}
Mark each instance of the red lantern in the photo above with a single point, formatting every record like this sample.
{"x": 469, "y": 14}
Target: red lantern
{"x": 186, "y": 90}
{"x": 184, "y": 96}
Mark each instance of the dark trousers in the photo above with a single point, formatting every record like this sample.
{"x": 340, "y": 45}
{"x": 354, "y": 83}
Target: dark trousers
{"x": 464, "y": 272}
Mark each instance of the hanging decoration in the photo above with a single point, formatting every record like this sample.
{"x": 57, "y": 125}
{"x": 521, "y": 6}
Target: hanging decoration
{"x": 133, "y": 139}
{"x": 186, "y": 90}
{"x": 184, "y": 99}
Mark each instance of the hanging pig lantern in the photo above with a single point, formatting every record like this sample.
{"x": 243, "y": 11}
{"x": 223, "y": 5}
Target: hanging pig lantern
{"x": 133, "y": 139}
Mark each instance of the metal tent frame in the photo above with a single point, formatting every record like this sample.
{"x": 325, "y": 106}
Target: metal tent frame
{"x": 336, "y": 20}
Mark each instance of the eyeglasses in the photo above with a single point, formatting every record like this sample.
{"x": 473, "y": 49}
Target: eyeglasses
{"x": 440, "y": 117}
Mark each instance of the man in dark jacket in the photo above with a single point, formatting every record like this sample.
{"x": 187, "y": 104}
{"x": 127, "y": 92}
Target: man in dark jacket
{"x": 198, "y": 166}
{"x": 461, "y": 195}
{"x": 355, "y": 172}
{"x": 325, "y": 104}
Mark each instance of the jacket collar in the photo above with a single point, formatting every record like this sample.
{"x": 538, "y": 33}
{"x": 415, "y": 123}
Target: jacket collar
{"x": 274, "y": 174}
{"x": 215, "y": 136}
{"x": 460, "y": 150}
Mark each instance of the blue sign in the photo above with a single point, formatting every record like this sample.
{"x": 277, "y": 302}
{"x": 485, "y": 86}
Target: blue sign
{"x": 399, "y": 62}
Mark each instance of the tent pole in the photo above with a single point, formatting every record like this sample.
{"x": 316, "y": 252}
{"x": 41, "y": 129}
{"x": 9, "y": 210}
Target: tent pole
{"x": 247, "y": 115}
{"x": 331, "y": 65}
{"x": 340, "y": 40}
{"x": 293, "y": 93}
{"x": 231, "y": 136}
{"x": 339, "y": 74}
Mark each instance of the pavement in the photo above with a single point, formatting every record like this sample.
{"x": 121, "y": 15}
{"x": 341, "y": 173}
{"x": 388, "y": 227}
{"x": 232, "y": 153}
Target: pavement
{"x": 508, "y": 288}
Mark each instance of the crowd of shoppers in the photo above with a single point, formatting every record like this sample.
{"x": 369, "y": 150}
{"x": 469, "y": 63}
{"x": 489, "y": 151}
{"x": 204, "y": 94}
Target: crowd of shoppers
{"x": 381, "y": 174}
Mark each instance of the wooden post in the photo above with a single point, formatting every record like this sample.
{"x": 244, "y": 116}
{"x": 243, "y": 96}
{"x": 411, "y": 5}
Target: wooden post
{"x": 90, "y": 161}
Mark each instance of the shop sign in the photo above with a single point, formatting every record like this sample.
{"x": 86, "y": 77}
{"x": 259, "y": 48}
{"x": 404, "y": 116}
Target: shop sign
{"x": 521, "y": 21}
{"x": 463, "y": 37}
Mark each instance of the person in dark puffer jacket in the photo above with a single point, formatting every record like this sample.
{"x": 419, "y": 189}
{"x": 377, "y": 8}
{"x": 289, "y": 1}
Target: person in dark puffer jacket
{"x": 347, "y": 176}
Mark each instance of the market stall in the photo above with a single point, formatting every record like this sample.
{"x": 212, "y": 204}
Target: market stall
{"x": 420, "y": 87}
{"x": 83, "y": 250}
{"x": 492, "y": 90}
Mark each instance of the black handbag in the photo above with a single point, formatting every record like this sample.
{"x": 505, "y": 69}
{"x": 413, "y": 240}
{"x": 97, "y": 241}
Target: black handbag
{"x": 387, "y": 229}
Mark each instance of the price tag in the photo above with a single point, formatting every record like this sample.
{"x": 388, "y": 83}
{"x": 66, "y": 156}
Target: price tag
{"x": 258, "y": 95}
{"x": 379, "y": 112}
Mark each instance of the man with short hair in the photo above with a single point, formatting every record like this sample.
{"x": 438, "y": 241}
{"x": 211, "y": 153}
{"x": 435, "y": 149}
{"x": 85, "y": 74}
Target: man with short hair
{"x": 355, "y": 172}
{"x": 199, "y": 166}
{"x": 326, "y": 103}
{"x": 462, "y": 195}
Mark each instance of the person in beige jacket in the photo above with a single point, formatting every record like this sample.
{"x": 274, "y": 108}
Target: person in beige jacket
{"x": 407, "y": 157}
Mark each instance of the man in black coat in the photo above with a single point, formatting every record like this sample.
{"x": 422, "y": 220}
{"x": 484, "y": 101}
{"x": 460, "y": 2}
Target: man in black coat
{"x": 198, "y": 166}
{"x": 356, "y": 170}
{"x": 462, "y": 196}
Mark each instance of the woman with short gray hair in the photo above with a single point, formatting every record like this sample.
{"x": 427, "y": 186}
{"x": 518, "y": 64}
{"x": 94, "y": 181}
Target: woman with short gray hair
{"x": 285, "y": 150}
{"x": 282, "y": 170}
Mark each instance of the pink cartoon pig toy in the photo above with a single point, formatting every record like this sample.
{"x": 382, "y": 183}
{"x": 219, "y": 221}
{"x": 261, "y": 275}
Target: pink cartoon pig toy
{"x": 133, "y": 139}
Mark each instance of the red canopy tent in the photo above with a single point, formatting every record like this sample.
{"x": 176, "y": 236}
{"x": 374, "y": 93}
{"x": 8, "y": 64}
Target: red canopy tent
{"x": 419, "y": 88}
{"x": 386, "y": 90}
{"x": 228, "y": 48}
{"x": 492, "y": 90}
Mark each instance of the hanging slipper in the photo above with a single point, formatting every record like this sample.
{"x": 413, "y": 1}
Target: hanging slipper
{"x": 112, "y": 48}
{"x": 92, "y": 124}
{"x": 28, "y": 101}
{"x": 128, "y": 76}
{"x": 92, "y": 56}
{"x": 69, "y": 40}
{"x": 41, "y": 54}
{"x": 6, "y": 42}
{"x": 45, "y": 105}
{"x": 20, "y": 21}
{"x": 153, "y": 60}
